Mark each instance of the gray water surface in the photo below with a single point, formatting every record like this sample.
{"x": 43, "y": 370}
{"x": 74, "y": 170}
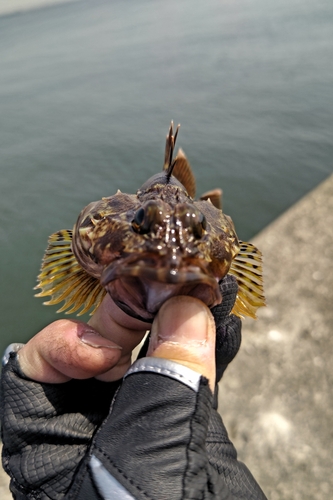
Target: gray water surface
{"x": 87, "y": 91}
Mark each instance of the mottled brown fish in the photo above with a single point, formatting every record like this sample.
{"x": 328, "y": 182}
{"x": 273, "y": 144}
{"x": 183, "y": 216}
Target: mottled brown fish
{"x": 144, "y": 248}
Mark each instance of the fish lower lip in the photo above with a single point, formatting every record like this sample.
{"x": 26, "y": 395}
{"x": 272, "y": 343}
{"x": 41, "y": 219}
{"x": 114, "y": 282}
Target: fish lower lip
{"x": 128, "y": 310}
{"x": 142, "y": 298}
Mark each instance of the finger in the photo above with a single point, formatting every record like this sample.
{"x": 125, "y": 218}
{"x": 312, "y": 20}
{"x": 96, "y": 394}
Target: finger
{"x": 67, "y": 349}
{"x": 111, "y": 322}
{"x": 228, "y": 288}
{"x": 184, "y": 331}
{"x": 127, "y": 332}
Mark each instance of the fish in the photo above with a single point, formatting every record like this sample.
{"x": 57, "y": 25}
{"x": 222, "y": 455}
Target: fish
{"x": 146, "y": 247}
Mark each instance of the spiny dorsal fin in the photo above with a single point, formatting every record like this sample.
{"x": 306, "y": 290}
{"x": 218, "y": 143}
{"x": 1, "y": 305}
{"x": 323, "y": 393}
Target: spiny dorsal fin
{"x": 63, "y": 279}
{"x": 179, "y": 167}
{"x": 169, "y": 148}
{"x": 247, "y": 268}
{"x": 215, "y": 196}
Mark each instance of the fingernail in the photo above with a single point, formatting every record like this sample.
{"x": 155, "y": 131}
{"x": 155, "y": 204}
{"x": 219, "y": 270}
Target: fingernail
{"x": 94, "y": 339}
{"x": 182, "y": 321}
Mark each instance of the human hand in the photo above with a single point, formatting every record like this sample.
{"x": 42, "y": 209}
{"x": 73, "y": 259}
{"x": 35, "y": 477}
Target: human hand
{"x": 149, "y": 410}
{"x": 69, "y": 349}
{"x": 183, "y": 331}
{"x": 227, "y": 326}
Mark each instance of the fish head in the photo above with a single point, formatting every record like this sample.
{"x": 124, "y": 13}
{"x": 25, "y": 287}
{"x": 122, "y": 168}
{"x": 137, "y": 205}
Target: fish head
{"x": 148, "y": 247}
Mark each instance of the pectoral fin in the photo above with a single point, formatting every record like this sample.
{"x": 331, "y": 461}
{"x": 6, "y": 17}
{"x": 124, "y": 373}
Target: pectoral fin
{"x": 63, "y": 279}
{"x": 247, "y": 268}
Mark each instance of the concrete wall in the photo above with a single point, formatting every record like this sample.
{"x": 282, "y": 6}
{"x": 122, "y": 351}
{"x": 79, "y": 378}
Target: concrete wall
{"x": 276, "y": 398}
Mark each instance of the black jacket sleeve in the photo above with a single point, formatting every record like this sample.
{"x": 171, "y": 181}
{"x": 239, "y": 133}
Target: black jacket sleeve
{"x": 47, "y": 429}
{"x": 163, "y": 441}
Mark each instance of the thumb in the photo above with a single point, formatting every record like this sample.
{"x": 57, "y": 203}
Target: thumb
{"x": 184, "y": 331}
{"x": 67, "y": 349}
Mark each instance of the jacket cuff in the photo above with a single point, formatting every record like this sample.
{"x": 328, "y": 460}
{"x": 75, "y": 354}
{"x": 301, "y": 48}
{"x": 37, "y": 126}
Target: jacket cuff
{"x": 168, "y": 368}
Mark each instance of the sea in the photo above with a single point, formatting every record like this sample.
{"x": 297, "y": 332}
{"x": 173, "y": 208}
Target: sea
{"x": 87, "y": 93}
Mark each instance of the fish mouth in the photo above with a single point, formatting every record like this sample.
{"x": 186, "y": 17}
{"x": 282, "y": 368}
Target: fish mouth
{"x": 140, "y": 287}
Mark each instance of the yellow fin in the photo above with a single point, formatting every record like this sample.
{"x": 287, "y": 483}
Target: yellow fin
{"x": 247, "y": 269}
{"x": 62, "y": 278}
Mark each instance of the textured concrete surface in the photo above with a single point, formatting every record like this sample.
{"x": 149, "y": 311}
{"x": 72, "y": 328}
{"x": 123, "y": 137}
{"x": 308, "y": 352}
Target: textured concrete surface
{"x": 4, "y": 482}
{"x": 276, "y": 397}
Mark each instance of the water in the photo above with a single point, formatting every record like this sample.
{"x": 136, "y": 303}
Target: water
{"x": 87, "y": 91}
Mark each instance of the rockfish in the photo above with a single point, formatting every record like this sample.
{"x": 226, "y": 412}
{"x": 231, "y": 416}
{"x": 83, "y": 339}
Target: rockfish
{"x": 146, "y": 247}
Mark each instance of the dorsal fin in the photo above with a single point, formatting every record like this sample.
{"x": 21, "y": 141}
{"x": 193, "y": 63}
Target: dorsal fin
{"x": 247, "y": 269}
{"x": 183, "y": 172}
{"x": 179, "y": 167}
{"x": 169, "y": 148}
{"x": 215, "y": 196}
{"x": 63, "y": 279}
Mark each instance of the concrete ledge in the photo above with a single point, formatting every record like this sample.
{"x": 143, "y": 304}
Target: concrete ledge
{"x": 4, "y": 486}
{"x": 276, "y": 398}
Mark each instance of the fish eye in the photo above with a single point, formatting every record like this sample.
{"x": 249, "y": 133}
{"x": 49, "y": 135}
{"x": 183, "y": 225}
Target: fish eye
{"x": 199, "y": 226}
{"x": 197, "y": 231}
{"x": 203, "y": 221}
{"x": 139, "y": 217}
{"x": 192, "y": 219}
{"x": 138, "y": 223}
{"x": 148, "y": 218}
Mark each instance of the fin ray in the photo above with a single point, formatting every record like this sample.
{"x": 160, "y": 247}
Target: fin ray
{"x": 63, "y": 279}
{"x": 183, "y": 172}
{"x": 247, "y": 269}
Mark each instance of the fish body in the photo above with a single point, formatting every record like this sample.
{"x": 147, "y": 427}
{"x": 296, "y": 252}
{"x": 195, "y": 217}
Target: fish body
{"x": 145, "y": 248}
